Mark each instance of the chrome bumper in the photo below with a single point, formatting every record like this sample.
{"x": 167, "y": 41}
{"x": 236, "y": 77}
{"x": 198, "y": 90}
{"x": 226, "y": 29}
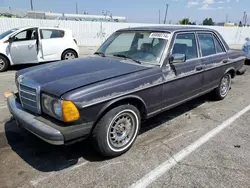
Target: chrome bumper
{"x": 29, "y": 122}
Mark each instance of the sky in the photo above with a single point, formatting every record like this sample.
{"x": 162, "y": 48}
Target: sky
{"x": 146, "y": 11}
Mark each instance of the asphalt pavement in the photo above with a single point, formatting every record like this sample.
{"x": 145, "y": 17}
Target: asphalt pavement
{"x": 177, "y": 148}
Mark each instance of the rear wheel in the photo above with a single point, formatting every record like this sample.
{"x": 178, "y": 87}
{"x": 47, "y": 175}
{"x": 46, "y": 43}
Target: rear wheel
{"x": 4, "y": 63}
{"x": 224, "y": 87}
{"x": 69, "y": 54}
{"x": 116, "y": 131}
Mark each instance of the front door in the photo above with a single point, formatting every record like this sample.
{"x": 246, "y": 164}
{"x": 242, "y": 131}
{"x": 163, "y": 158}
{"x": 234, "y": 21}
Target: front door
{"x": 24, "y": 46}
{"x": 184, "y": 80}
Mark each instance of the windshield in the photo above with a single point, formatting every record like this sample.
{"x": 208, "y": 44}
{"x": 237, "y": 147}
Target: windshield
{"x": 143, "y": 46}
{"x": 7, "y": 33}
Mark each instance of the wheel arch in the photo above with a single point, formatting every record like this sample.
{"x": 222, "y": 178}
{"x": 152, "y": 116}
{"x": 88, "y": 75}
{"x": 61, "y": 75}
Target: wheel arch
{"x": 231, "y": 71}
{"x": 77, "y": 55}
{"x": 1, "y": 54}
{"x": 131, "y": 99}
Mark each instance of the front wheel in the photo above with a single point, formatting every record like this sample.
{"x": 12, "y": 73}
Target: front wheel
{"x": 69, "y": 54}
{"x": 224, "y": 87}
{"x": 4, "y": 63}
{"x": 117, "y": 130}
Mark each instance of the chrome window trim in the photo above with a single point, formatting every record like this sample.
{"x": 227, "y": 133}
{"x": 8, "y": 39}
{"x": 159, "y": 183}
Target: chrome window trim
{"x": 220, "y": 43}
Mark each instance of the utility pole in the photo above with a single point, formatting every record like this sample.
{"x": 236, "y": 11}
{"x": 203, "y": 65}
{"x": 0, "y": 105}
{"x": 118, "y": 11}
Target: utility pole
{"x": 166, "y": 13}
{"x": 244, "y": 18}
{"x": 159, "y": 16}
{"x": 226, "y": 18}
{"x": 76, "y": 8}
{"x": 31, "y": 4}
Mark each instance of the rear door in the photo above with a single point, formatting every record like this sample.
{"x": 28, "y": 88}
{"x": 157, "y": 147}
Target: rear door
{"x": 188, "y": 79}
{"x": 23, "y": 48}
{"x": 214, "y": 55}
{"x": 52, "y": 44}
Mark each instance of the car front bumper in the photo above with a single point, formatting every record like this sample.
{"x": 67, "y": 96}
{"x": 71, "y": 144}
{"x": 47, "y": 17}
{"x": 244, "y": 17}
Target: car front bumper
{"x": 29, "y": 122}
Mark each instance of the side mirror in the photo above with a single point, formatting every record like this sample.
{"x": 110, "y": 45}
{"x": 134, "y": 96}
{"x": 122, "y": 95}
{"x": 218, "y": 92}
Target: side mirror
{"x": 177, "y": 58}
{"x": 10, "y": 40}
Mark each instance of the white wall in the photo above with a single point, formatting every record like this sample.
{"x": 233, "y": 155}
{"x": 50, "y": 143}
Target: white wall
{"x": 94, "y": 33}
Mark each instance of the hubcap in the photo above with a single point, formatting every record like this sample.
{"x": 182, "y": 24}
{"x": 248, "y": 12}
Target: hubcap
{"x": 122, "y": 130}
{"x": 69, "y": 55}
{"x": 2, "y": 64}
{"x": 225, "y": 84}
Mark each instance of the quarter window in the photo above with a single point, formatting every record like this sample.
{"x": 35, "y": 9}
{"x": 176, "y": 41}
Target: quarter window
{"x": 185, "y": 44}
{"x": 207, "y": 44}
{"x": 51, "y": 33}
{"x": 218, "y": 46}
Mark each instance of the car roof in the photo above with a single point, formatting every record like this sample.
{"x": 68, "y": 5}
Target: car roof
{"x": 41, "y": 28}
{"x": 170, "y": 29}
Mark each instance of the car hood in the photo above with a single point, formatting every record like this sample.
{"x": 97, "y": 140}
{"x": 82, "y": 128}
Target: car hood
{"x": 62, "y": 76}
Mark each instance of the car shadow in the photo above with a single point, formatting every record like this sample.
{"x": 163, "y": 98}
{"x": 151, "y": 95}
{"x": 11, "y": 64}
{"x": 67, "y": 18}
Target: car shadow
{"x": 47, "y": 158}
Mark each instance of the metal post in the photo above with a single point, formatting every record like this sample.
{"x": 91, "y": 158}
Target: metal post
{"x": 31, "y": 4}
{"x": 159, "y": 16}
{"x": 76, "y": 8}
{"x": 166, "y": 13}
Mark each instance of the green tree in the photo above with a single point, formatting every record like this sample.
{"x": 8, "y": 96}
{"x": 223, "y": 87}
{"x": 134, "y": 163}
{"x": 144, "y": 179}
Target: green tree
{"x": 185, "y": 21}
{"x": 208, "y": 21}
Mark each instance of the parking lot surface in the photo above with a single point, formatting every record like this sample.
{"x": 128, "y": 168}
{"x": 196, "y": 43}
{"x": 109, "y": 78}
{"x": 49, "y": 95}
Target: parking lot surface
{"x": 222, "y": 160}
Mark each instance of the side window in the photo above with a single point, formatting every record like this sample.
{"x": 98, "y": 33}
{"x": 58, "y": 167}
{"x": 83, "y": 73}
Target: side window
{"x": 122, "y": 43}
{"x": 185, "y": 44}
{"x": 29, "y": 34}
{"x": 206, "y": 44}
{"x": 51, "y": 33}
{"x": 218, "y": 46}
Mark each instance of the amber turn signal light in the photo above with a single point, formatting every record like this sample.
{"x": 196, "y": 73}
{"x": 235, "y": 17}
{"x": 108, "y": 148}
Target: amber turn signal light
{"x": 69, "y": 111}
{"x": 8, "y": 93}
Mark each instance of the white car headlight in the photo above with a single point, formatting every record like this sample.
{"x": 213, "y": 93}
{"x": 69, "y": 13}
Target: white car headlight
{"x": 52, "y": 106}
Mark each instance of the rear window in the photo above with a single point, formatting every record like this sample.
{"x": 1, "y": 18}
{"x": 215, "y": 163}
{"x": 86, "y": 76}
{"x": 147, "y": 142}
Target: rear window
{"x": 51, "y": 33}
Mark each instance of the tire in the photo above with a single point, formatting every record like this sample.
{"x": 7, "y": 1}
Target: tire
{"x": 69, "y": 54}
{"x": 123, "y": 136}
{"x": 225, "y": 84}
{"x": 4, "y": 63}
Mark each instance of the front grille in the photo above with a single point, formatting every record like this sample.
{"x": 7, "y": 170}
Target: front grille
{"x": 29, "y": 97}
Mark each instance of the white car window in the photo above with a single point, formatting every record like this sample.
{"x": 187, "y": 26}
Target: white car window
{"x": 51, "y": 33}
{"x": 29, "y": 34}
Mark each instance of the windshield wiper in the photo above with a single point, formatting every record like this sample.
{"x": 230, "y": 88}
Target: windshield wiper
{"x": 127, "y": 57}
{"x": 100, "y": 54}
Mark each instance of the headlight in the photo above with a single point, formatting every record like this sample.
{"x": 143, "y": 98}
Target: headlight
{"x": 59, "y": 109}
{"x": 52, "y": 106}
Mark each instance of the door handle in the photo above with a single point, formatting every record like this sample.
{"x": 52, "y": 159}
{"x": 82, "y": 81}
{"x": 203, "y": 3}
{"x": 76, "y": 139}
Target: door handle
{"x": 31, "y": 45}
{"x": 199, "y": 68}
{"x": 225, "y": 61}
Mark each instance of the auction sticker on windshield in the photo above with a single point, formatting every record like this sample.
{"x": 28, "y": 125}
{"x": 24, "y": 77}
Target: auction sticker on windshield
{"x": 160, "y": 35}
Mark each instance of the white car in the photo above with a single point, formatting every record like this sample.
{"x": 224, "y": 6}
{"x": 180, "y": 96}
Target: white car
{"x": 35, "y": 45}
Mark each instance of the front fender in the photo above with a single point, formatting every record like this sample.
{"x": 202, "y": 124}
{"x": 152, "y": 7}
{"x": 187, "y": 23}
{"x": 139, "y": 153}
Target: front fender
{"x": 121, "y": 100}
